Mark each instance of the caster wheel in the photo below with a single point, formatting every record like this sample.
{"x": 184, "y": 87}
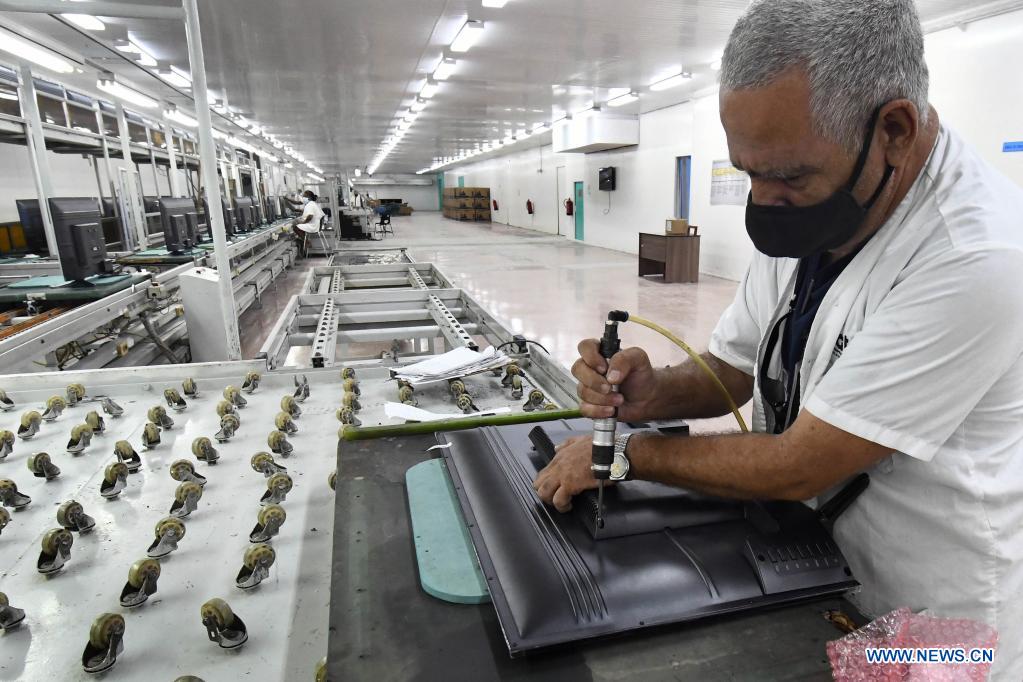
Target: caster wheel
{"x": 182, "y": 470}
{"x": 186, "y": 499}
{"x": 5, "y": 518}
{"x": 535, "y": 400}
{"x": 251, "y": 383}
{"x": 234, "y": 396}
{"x": 95, "y": 422}
{"x": 222, "y": 625}
{"x": 6, "y": 443}
{"x": 407, "y": 395}
{"x": 350, "y": 401}
{"x": 9, "y": 495}
{"x": 56, "y": 550}
{"x": 112, "y": 408}
{"x": 42, "y": 466}
{"x": 516, "y": 386}
{"x": 321, "y": 670}
{"x": 6, "y": 404}
{"x": 464, "y": 403}
{"x": 174, "y": 399}
{"x": 115, "y": 478}
{"x": 75, "y": 393}
{"x": 277, "y": 488}
{"x": 203, "y": 450}
{"x": 158, "y": 415}
{"x": 81, "y": 436}
{"x": 189, "y": 387}
{"x": 332, "y": 480}
{"x": 29, "y": 425}
{"x": 457, "y": 387}
{"x": 510, "y": 371}
{"x": 142, "y": 578}
{"x": 263, "y": 462}
{"x": 169, "y": 532}
{"x": 278, "y": 442}
{"x": 105, "y": 643}
{"x": 351, "y": 386}
{"x": 142, "y": 570}
{"x": 229, "y": 424}
{"x": 10, "y": 617}
{"x": 347, "y": 373}
{"x": 150, "y": 435}
{"x": 55, "y": 538}
{"x": 256, "y": 565}
{"x": 269, "y": 522}
{"x": 290, "y": 405}
{"x": 224, "y": 408}
{"x": 347, "y": 417}
{"x": 72, "y": 516}
{"x": 54, "y": 407}
{"x": 283, "y": 422}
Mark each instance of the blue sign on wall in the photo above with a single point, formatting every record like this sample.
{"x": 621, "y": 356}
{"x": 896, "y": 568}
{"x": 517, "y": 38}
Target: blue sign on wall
{"x": 1012, "y": 147}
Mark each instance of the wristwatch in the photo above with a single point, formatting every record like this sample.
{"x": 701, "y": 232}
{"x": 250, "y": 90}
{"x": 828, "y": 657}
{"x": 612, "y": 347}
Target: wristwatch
{"x": 620, "y": 464}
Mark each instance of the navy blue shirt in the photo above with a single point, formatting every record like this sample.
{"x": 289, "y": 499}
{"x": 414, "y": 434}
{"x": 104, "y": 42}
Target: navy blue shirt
{"x": 813, "y": 280}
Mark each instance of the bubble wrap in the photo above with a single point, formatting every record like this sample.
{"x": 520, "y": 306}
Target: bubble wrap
{"x": 903, "y": 628}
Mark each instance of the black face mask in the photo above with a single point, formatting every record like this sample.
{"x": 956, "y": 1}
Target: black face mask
{"x": 801, "y": 231}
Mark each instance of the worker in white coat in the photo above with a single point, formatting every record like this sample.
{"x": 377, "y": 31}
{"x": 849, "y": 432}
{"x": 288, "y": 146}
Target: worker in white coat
{"x": 311, "y": 219}
{"x": 877, "y": 328}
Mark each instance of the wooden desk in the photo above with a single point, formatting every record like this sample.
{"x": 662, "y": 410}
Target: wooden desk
{"x": 677, "y": 258}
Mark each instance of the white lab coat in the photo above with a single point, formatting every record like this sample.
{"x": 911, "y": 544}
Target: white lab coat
{"x": 315, "y": 213}
{"x": 917, "y": 346}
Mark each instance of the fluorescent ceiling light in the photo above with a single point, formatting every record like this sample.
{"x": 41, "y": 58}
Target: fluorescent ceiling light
{"x": 358, "y": 172}
{"x": 112, "y": 87}
{"x": 411, "y": 116}
{"x": 175, "y": 77}
{"x": 240, "y": 144}
{"x": 429, "y": 89}
{"x": 445, "y": 69}
{"x": 419, "y": 105}
{"x": 467, "y": 36}
{"x": 315, "y": 177}
{"x": 671, "y": 82}
{"x": 85, "y": 21}
{"x": 496, "y": 4}
{"x": 33, "y": 53}
{"x": 179, "y": 117}
{"x": 622, "y": 100}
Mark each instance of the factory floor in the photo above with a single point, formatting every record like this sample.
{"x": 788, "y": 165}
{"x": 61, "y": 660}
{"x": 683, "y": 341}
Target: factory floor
{"x": 551, "y": 289}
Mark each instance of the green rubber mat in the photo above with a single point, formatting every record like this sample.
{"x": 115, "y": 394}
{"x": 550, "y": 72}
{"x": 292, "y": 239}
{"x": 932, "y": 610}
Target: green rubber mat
{"x": 448, "y": 568}
{"x": 53, "y": 288}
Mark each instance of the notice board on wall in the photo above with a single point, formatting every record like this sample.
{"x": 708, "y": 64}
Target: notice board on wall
{"x": 729, "y": 186}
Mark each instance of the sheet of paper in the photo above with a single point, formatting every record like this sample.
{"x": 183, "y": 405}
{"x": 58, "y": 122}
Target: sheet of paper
{"x": 415, "y": 414}
{"x": 456, "y": 363}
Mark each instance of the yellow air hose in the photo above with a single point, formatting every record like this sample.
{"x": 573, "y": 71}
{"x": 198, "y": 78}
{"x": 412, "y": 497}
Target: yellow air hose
{"x": 699, "y": 362}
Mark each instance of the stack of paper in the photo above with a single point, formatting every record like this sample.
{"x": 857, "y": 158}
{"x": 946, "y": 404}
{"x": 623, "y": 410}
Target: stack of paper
{"x": 454, "y": 364}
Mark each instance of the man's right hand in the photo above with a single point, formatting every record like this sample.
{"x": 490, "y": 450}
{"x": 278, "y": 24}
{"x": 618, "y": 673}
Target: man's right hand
{"x": 630, "y": 369}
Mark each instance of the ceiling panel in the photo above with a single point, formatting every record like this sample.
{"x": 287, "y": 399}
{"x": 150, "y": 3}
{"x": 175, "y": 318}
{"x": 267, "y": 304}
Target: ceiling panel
{"x": 328, "y": 76}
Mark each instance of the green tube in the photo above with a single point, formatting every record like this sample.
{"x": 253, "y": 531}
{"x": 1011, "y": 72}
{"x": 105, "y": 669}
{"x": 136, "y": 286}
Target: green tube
{"x": 350, "y": 433}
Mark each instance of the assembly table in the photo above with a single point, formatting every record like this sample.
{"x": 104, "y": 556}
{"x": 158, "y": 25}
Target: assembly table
{"x": 383, "y": 626}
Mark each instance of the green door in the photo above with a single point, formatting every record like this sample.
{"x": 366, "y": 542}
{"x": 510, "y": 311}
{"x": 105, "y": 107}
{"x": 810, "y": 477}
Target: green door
{"x": 579, "y": 211}
{"x": 461, "y": 181}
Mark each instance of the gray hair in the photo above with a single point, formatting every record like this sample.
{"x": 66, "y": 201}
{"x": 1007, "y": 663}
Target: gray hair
{"x": 858, "y": 55}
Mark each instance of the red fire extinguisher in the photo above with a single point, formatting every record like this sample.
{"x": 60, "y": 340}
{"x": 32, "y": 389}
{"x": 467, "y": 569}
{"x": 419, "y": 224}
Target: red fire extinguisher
{"x": 495, "y": 205}
{"x": 569, "y": 207}
{"x": 529, "y": 206}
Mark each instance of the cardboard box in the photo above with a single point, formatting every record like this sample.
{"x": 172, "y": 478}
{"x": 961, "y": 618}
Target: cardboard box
{"x": 679, "y": 226}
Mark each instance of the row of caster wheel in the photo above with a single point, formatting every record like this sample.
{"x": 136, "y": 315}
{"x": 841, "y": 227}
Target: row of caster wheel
{"x": 106, "y": 634}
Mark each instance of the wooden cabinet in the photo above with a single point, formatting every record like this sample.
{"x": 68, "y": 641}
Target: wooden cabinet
{"x": 677, "y": 258}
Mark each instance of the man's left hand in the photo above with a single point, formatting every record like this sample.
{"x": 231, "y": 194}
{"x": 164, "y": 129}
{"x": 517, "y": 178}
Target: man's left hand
{"x": 568, "y": 474}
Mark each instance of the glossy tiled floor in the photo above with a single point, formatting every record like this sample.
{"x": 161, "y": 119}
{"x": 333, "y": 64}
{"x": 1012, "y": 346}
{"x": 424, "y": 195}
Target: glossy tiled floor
{"x": 551, "y": 289}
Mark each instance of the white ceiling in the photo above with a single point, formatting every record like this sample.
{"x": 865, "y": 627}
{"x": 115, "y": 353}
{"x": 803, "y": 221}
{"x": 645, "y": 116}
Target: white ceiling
{"x": 329, "y": 76}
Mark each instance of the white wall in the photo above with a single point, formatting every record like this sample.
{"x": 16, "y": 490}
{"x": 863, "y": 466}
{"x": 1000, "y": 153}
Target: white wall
{"x": 973, "y": 87}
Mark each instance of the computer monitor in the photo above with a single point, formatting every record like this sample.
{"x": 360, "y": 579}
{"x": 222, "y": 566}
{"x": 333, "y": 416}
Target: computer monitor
{"x": 31, "y": 218}
{"x": 109, "y": 210}
{"x": 227, "y": 212}
{"x": 173, "y": 212}
{"x": 243, "y": 214}
{"x": 151, "y": 204}
{"x": 192, "y": 228}
{"x": 80, "y": 245}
